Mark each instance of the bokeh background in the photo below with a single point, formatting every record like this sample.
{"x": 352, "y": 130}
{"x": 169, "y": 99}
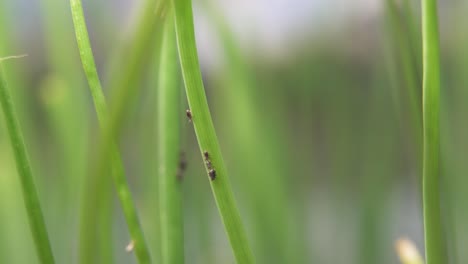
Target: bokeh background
{"x": 317, "y": 105}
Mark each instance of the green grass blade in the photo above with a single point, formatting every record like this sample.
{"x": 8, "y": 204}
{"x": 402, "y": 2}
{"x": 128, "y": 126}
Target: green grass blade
{"x": 14, "y": 249}
{"x": 31, "y": 199}
{"x": 273, "y": 242}
{"x": 414, "y": 35}
{"x": 406, "y": 56}
{"x": 431, "y": 104}
{"x": 170, "y": 192}
{"x": 124, "y": 72}
{"x": 118, "y": 173}
{"x": 205, "y": 131}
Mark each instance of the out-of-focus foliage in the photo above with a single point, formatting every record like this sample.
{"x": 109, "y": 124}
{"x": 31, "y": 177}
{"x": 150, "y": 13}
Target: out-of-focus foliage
{"x": 323, "y": 149}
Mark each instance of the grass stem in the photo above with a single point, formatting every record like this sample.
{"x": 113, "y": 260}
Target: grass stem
{"x": 124, "y": 72}
{"x": 118, "y": 172}
{"x": 431, "y": 104}
{"x": 170, "y": 174}
{"x": 31, "y": 199}
{"x": 205, "y": 132}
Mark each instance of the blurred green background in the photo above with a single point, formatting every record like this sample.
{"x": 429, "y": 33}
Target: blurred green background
{"x": 323, "y": 147}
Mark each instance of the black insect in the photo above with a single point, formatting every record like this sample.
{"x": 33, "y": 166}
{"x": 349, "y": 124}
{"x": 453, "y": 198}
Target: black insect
{"x": 182, "y": 161}
{"x": 212, "y": 174}
{"x": 182, "y": 166}
{"x": 208, "y": 164}
{"x": 206, "y": 155}
{"x": 189, "y": 115}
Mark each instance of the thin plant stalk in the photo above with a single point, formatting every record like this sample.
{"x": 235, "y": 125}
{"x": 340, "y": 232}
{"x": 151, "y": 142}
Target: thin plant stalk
{"x": 409, "y": 71}
{"x": 266, "y": 160}
{"x": 12, "y": 214}
{"x": 31, "y": 199}
{"x": 170, "y": 174}
{"x": 431, "y": 101}
{"x": 118, "y": 173}
{"x": 124, "y": 72}
{"x": 414, "y": 35}
{"x": 205, "y": 132}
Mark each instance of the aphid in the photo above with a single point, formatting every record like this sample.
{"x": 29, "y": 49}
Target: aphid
{"x": 182, "y": 166}
{"x": 189, "y": 115}
{"x": 206, "y": 155}
{"x": 208, "y": 164}
{"x": 182, "y": 162}
{"x": 212, "y": 174}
